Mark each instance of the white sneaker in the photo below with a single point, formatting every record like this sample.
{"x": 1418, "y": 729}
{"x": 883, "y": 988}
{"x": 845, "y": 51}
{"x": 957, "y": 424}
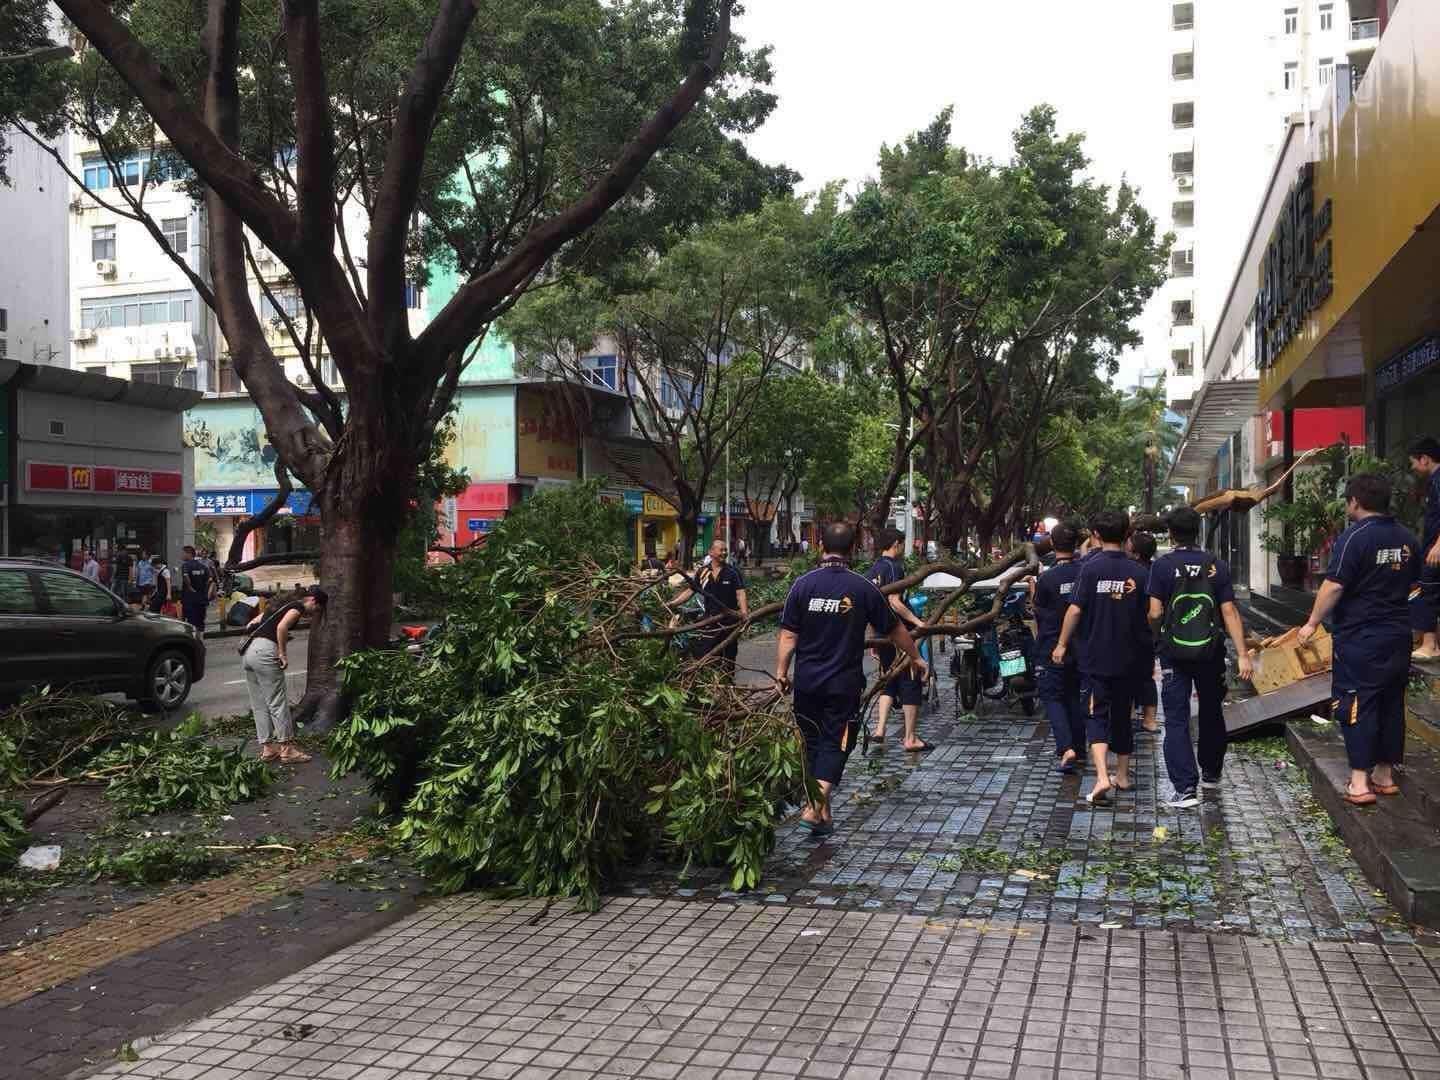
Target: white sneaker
{"x": 1183, "y": 800}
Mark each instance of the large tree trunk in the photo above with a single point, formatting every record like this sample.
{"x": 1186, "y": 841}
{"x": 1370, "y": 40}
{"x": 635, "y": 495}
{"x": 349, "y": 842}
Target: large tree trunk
{"x": 357, "y": 570}
{"x": 689, "y": 532}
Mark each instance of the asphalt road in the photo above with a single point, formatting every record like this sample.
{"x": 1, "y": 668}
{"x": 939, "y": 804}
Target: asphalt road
{"x": 222, "y": 691}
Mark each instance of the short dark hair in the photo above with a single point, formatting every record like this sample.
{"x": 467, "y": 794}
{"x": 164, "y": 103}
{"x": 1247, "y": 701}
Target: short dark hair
{"x": 1143, "y": 544}
{"x": 887, "y": 538}
{"x": 321, "y": 596}
{"x": 838, "y": 538}
{"x": 188, "y": 550}
{"x": 1426, "y": 446}
{"x": 1184, "y": 524}
{"x": 1064, "y": 537}
{"x": 1111, "y": 526}
{"x": 1371, "y": 490}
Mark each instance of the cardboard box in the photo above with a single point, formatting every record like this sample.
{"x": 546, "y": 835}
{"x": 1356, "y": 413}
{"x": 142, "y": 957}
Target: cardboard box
{"x": 1282, "y": 660}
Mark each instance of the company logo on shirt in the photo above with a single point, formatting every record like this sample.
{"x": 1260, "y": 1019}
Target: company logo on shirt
{"x": 1395, "y": 558}
{"x": 1116, "y": 590}
{"x": 821, "y": 605}
{"x": 1193, "y": 570}
{"x": 1067, "y": 588}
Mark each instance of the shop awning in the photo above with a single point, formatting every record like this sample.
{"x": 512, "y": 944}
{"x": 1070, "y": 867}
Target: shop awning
{"x": 1219, "y": 410}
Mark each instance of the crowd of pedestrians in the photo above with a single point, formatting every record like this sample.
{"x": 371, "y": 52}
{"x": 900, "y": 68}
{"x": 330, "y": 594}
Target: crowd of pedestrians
{"x": 1107, "y": 612}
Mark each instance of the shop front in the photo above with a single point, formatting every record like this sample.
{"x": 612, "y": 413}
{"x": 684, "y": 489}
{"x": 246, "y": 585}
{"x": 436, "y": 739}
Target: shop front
{"x": 657, "y": 528}
{"x": 91, "y": 464}
{"x": 1347, "y": 314}
{"x": 295, "y": 528}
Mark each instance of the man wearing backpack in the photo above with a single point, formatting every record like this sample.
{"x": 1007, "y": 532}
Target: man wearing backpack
{"x": 1192, "y": 606}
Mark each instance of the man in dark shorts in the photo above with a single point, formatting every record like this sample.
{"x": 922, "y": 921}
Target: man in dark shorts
{"x": 722, "y": 587}
{"x": 1364, "y": 597}
{"x": 1058, "y": 685}
{"x": 905, "y": 688}
{"x": 1425, "y": 597}
{"x": 197, "y": 583}
{"x": 1141, "y": 547}
{"x": 1108, "y": 610}
{"x": 823, "y": 628}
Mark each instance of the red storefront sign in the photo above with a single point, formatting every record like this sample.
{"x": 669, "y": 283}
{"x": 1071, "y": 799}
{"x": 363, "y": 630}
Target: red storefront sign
{"x": 101, "y": 479}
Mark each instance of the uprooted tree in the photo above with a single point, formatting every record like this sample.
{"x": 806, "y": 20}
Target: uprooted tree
{"x": 486, "y": 136}
{"x": 552, "y": 732}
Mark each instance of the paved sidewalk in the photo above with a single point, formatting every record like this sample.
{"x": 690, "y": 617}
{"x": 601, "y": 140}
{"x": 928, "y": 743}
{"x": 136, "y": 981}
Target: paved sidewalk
{"x": 521, "y": 990}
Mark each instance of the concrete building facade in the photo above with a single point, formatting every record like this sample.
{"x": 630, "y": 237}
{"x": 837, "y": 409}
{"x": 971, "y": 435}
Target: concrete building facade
{"x": 34, "y": 273}
{"x": 1238, "y": 71}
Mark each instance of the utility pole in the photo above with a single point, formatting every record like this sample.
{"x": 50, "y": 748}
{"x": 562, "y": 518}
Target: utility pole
{"x": 910, "y": 497}
{"x": 728, "y": 417}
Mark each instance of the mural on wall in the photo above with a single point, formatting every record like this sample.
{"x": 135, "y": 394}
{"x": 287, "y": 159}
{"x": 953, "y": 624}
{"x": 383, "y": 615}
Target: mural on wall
{"x": 548, "y": 445}
{"x": 232, "y": 449}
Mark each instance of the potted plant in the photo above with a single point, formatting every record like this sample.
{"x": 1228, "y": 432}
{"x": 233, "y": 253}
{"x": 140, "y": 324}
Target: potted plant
{"x": 1303, "y": 527}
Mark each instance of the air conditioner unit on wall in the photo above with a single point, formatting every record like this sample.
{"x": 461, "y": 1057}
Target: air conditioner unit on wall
{"x": 84, "y": 334}
{"x": 1185, "y": 183}
{"x": 105, "y": 267}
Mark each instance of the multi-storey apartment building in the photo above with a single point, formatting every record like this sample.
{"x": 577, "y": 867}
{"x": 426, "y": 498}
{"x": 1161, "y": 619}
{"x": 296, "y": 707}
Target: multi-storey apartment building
{"x": 34, "y": 275}
{"x": 1239, "y": 70}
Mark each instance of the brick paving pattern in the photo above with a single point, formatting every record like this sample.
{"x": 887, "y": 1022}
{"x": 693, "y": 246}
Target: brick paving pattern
{"x": 983, "y": 828}
{"x": 518, "y": 990}
{"x": 72, "y": 1000}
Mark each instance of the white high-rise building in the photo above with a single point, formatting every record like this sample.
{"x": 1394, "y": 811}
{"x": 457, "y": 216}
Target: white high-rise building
{"x": 34, "y": 272}
{"x": 1239, "y": 70}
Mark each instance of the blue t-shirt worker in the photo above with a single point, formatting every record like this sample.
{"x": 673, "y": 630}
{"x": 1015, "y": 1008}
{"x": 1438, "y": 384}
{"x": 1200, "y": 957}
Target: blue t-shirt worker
{"x": 906, "y": 688}
{"x": 1364, "y": 598}
{"x": 823, "y": 628}
{"x": 1058, "y": 685}
{"x": 1425, "y": 597}
{"x": 1192, "y": 607}
{"x": 1108, "y": 609}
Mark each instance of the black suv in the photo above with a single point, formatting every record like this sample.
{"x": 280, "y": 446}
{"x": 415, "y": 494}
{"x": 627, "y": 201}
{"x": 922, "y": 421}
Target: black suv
{"x": 59, "y": 628}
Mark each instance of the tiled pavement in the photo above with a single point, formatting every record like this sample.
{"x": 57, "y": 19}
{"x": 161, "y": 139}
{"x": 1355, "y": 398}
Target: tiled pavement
{"x": 971, "y": 917}
{"x": 982, "y": 828}
{"x": 661, "y": 988}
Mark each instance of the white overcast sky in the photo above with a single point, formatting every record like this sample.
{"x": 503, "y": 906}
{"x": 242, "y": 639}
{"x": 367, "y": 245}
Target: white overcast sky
{"x": 853, "y": 74}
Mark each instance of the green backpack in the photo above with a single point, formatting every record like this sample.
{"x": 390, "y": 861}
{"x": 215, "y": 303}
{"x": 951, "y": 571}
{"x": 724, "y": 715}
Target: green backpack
{"x": 1192, "y": 618}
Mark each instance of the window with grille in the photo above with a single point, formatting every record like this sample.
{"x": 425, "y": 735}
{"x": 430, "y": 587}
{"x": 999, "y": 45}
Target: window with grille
{"x": 1182, "y": 65}
{"x": 1292, "y": 20}
{"x": 1327, "y": 16}
{"x": 1327, "y": 70}
{"x": 1180, "y": 359}
{"x": 1182, "y": 114}
{"x": 1292, "y": 76}
{"x": 1183, "y": 214}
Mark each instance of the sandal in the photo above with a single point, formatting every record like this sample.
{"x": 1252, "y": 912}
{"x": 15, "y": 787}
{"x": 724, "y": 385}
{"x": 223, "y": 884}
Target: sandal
{"x": 269, "y": 752}
{"x": 1364, "y": 799}
{"x": 1385, "y": 789}
{"x": 1099, "y": 798}
{"x": 923, "y": 748}
{"x": 817, "y": 828}
{"x": 291, "y": 755}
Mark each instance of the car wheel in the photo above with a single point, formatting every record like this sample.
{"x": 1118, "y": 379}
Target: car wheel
{"x": 167, "y": 682}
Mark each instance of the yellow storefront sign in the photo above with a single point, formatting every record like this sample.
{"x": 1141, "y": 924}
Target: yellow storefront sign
{"x": 655, "y": 506}
{"x": 1374, "y": 189}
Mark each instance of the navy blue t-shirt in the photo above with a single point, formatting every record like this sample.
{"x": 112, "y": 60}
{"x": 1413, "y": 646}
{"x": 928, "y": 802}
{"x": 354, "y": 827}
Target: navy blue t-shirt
{"x": 720, "y": 589}
{"x": 830, "y": 608}
{"x": 1110, "y": 593}
{"x": 1432, "y": 509}
{"x": 1376, "y": 561}
{"x": 1187, "y": 562}
{"x": 886, "y": 571}
{"x": 1052, "y": 599}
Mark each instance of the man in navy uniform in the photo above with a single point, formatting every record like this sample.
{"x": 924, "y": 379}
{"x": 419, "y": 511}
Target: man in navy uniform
{"x": 1425, "y": 598}
{"x": 1364, "y": 597}
{"x": 1108, "y": 610}
{"x": 906, "y": 688}
{"x": 1059, "y": 684}
{"x": 1141, "y": 547}
{"x": 1191, "y": 596}
{"x": 823, "y": 628}
{"x": 722, "y": 587}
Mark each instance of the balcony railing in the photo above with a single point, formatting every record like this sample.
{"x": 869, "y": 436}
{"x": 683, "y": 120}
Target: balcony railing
{"x": 1364, "y": 29}
{"x": 1183, "y": 319}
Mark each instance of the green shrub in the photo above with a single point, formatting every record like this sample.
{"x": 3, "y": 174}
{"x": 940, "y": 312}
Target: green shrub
{"x": 176, "y": 770}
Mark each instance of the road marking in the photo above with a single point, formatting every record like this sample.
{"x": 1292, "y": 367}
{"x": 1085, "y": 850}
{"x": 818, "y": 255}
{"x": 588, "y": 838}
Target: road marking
{"x": 292, "y": 674}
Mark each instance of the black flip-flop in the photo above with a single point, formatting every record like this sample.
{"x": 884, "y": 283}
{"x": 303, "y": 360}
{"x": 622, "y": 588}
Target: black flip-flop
{"x": 923, "y": 748}
{"x": 877, "y": 738}
{"x": 817, "y": 828}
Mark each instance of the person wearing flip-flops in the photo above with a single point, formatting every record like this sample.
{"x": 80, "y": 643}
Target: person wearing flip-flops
{"x": 1109, "y": 609}
{"x": 1365, "y": 600}
{"x": 1058, "y": 685}
{"x": 1141, "y": 547}
{"x": 906, "y": 688}
{"x": 823, "y": 629}
{"x": 1425, "y": 596}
